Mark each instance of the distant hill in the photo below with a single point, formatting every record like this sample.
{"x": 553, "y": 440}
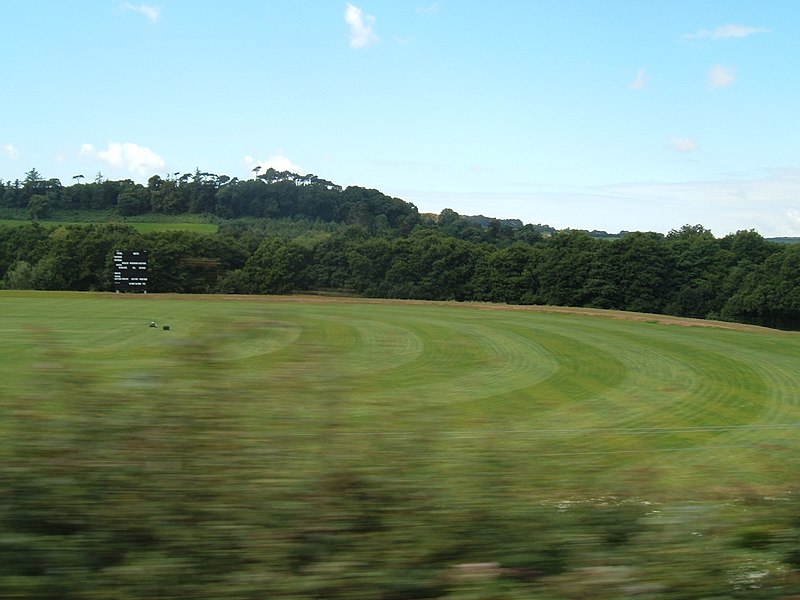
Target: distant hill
{"x": 785, "y": 240}
{"x": 484, "y": 221}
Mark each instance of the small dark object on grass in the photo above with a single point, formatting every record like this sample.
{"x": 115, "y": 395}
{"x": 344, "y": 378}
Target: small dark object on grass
{"x": 166, "y": 327}
{"x": 152, "y": 324}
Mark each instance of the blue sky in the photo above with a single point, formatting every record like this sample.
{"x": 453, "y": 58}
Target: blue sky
{"x": 613, "y": 114}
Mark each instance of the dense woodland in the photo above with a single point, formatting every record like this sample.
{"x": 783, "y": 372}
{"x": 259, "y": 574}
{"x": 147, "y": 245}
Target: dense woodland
{"x": 281, "y": 232}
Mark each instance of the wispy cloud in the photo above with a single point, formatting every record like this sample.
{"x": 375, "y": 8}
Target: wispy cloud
{"x": 277, "y": 162}
{"x": 10, "y": 151}
{"x": 361, "y": 34}
{"x": 131, "y": 157}
{"x": 720, "y": 77}
{"x": 640, "y": 81}
{"x": 684, "y": 145}
{"x": 762, "y": 200}
{"x": 767, "y": 203}
{"x": 152, "y": 13}
{"x": 725, "y": 32}
{"x": 433, "y": 9}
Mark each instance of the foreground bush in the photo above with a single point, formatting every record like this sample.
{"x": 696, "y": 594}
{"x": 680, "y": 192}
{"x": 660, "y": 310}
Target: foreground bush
{"x": 178, "y": 483}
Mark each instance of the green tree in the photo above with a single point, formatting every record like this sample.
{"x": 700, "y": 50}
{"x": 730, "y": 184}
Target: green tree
{"x": 188, "y": 262}
{"x": 201, "y": 191}
{"x": 635, "y": 272}
{"x": 19, "y": 276}
{"x": 278, "y": 267}
{"x": 133, "y": 199}
{"x": 165, "y": 197}
{"x": 361, "y": 206}
{"x": 509, "y": 275}
{"x": 697, "y": 272}
{"x": 431, "y": 266}
{"x": 27, "y": 242}
{"x": 13, "y": 196}
{"x": 369, "y": 261}
{"x": 330, "y": 268}
{"x": 567, "y": 269}
{"x": 770, "y": 293}
{"x": 33, "y": 181}
{"x": 38, "y": 207}
{"x": 80, "y": 257}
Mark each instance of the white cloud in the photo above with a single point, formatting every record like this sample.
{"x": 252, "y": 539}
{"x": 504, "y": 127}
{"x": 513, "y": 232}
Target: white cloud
{"x": 152, "y": 13}
{"x": 361, "y": 33}
{"x": 725, "y": 32}
{"x": 720, "y": 77}
{"x": 279, "y": 163}
{"x": 128, "y": 156}
{"x": 766, "y": 202}
{"x": 683, "y": 144}
{"x": 433, "y": 9}
{"x": 10, "y": 151}
{"x": 640, "y": 81}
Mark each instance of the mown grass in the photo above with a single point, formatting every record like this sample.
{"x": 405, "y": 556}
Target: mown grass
{"x": 138, "y": 226}
{"x": 386, "y": 442}
{"x": 577, "y": 392}
{"x": 193, "y": 227}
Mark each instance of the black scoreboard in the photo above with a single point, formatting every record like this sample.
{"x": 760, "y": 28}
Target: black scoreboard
{"x": 130, "y": 271}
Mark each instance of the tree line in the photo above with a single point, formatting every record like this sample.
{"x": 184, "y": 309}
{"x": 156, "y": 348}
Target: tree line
{"x": 273, "y": 195}
{"x": 282, "y": 232}
{"x": 688, "y": 272}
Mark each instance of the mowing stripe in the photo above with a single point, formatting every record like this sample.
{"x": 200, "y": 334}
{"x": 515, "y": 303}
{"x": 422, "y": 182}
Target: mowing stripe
{"x": 550, "y": 402}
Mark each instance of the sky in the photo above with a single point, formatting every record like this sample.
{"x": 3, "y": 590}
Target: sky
{"x": 586, "y": 114}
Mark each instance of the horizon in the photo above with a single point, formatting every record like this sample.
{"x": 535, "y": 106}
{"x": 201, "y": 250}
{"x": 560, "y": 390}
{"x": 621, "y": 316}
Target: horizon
{"x": 620, "y": 116}
{"x": 480, "y": 215}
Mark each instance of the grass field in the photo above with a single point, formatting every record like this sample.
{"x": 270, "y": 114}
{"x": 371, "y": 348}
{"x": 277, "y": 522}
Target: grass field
{"x": 466, "y": 406}
{"x": 578, "y": 403}
{"x": 193, "y": 227}
{"x": 140, "y": 227}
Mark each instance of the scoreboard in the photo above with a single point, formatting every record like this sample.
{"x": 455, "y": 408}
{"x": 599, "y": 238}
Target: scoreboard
{"x": 130, "y": 271}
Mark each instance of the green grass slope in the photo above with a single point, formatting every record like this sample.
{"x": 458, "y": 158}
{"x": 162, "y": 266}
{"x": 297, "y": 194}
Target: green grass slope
{"x": 140, "y": 226}
{"x": 445, "y": 430}
{"x": 691, "y": 406}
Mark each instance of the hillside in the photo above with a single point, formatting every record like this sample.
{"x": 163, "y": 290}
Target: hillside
{"x": 281, "y": 232}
